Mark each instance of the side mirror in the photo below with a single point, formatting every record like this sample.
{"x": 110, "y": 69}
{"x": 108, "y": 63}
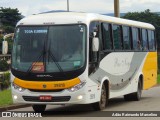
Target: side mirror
{"x": 95, "y": 44}
{"x": 4, "y": 47}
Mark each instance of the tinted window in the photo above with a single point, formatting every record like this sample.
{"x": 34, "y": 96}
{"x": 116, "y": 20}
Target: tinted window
{"x": 92, "y": 28}
{"x": 136, "y": 39}
{"x": 49, "y": 48}
{"x": 126, "y": 38}
{"x": 151, "y": 40}
{"x": 144, "y": 39}
{"x": 106, "y": 34}
{"x": 117, "y": 37}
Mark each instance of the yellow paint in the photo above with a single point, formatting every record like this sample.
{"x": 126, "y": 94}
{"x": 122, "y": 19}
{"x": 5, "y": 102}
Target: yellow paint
{"x": 53, "y": 85}
{"x": 150, "y": 70}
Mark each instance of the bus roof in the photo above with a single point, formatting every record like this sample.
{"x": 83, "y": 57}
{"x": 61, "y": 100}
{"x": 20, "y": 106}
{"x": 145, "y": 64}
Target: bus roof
{"x": 78, "y": 17}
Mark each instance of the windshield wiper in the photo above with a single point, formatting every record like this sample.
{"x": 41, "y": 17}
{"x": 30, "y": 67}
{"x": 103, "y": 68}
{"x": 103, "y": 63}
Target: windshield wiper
{"x": 54, "y": 59}
{"x": 50, "y": 54}
{"x": 43, "y": 54}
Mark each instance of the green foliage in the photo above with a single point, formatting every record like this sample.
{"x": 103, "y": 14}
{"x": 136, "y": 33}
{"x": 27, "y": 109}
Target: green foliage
{"x": 145, "y": 16}
{"x": 5, "y": 80}
{"x": 6, "y": 98}
{"x": 158, "y": 79}
{"x": 148, "y": 17}
{"x": 8, "y": 29}
{"x": 4, "y": 66}
{"x": 9, "y": 18}
{"x": 1, "y": 39}
{"x": 159, "y": 64}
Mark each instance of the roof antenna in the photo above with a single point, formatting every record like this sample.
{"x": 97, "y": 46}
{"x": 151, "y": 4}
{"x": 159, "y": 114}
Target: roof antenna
{"x": 67, "y": 5}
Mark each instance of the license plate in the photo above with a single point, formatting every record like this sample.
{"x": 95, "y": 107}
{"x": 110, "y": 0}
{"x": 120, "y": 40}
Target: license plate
{"x": 45, "y": 98}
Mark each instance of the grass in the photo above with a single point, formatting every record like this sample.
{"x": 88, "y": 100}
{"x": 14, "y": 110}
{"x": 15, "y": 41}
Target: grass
{"x": 5, "y": 98}
{"x": 158, "y": 81}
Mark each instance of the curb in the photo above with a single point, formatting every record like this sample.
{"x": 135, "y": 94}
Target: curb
{"x": 14, "y": 107}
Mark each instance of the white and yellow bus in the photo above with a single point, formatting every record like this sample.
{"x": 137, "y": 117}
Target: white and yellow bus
{"x": 81, "y": 58}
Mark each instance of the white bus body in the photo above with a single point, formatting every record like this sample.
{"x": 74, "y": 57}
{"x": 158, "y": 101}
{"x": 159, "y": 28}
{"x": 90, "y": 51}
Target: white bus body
{"x": 118, "y": 70}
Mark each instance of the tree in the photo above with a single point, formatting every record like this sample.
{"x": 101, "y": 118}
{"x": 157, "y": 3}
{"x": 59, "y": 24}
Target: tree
{"x": 1, "y": 39}
{"x": 9, "y": 18}
{"x": 4, "y": 65}
{"x": 148, "y": 17}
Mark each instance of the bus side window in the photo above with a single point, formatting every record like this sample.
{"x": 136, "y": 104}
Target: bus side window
{"x": 145, "y": 39}
{"x": 93, "y": 25}
{"x": 151, "y": 40}
{"x": 117, "y": 37}
{"x": 140, "y": 42}
{"x": 106, "y": 36}
{"x": 136, "y": 39}
{"x": 126, "y": 38}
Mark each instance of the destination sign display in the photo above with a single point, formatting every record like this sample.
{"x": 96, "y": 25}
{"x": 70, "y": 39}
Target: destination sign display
{"x": 35, "y": 31}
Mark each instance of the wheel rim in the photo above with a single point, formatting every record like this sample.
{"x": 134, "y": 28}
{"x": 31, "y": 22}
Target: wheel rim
{"x": 103, "y": 98}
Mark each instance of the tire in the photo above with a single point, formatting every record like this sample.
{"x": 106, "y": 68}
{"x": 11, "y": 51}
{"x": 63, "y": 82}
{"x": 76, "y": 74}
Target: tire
{"x": 103, "y": 100}
{"x": 39, "y": 108}
{"x": 135, "y": 96}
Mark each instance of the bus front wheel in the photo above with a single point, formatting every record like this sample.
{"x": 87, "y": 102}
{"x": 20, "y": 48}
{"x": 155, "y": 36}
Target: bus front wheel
{"x": 103, "y": 100}
{"x": 39, "y": 108}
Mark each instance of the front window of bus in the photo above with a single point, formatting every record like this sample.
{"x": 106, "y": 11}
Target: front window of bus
{"x": 49, "y": 49}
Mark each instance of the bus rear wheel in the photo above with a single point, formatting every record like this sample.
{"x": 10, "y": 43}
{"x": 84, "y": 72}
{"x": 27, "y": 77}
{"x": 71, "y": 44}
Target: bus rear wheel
{"x": 103, "y": 100}
{"x": 39, "y": 108}
{"x": 135, "y": 96}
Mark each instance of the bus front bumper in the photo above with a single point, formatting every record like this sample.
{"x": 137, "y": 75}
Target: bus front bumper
{"x": 57, "y": 98}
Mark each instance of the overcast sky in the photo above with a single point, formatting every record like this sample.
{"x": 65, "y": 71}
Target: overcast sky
{"x": 29, "y": 7}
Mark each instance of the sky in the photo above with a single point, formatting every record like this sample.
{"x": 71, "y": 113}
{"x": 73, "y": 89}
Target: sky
{"x": 29, "y": 7}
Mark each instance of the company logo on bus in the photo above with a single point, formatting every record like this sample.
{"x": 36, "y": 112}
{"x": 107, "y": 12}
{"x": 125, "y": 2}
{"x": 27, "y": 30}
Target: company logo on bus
{"x": 44, "y": 86}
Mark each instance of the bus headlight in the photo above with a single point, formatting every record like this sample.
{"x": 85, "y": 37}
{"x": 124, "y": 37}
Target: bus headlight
{"x": 16, "y": 87}
{"x": 77, "y": 87}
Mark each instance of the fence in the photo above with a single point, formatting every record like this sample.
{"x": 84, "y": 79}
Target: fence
{"x": 5, "y": 57}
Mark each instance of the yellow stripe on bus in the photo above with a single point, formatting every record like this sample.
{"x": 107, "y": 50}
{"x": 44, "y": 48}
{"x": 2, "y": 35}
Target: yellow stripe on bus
{"x": 47, "y": 85}
{"x": 150, "y": 70}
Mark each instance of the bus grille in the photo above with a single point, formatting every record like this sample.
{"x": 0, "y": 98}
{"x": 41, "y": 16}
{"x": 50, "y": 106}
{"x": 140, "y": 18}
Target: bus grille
{"x": 46, "y": 90}
{"x": 54, "y": 99}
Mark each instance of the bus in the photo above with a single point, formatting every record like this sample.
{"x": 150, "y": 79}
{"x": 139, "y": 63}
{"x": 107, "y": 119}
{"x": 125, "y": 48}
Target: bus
{"x": 81, "y": 58}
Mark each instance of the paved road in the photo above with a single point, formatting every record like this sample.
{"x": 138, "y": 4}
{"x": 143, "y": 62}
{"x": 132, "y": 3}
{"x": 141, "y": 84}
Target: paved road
{"x": 150, "y": 102}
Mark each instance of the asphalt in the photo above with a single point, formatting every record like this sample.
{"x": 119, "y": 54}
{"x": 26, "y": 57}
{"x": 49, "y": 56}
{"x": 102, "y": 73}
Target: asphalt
{"x": 150, "y": 102}
{"x": 14, "y": 106}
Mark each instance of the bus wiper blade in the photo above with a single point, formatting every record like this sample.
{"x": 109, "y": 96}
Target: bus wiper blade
{"x": 36, "y": 61}
{"x": 50, "y": 54}
{"x": 54, "y": 59}
{"x": 43, "y": 54}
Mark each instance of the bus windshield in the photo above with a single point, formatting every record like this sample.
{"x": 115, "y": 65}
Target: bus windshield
{"x": 49, "y": 48}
